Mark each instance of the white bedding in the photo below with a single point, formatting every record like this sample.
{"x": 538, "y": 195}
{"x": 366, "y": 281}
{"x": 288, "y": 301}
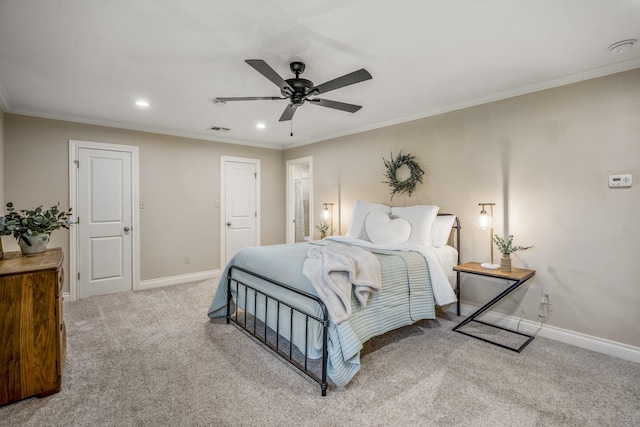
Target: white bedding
{"x": 441, "y": 261}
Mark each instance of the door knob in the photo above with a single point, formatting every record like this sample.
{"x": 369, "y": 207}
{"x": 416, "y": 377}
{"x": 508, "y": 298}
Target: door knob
{"x": 229, "y": 224}
{"x": 126, "y": 229}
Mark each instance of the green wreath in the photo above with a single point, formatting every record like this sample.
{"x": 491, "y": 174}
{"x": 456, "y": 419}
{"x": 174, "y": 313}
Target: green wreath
{"x": 398, "y": 184}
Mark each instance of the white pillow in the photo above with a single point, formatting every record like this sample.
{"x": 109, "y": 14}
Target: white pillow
{"x": 421, "y": 219}
{"x": 383, "y": 230}
{"x": 441, "y": 230}
{"x": 360, "y": 211}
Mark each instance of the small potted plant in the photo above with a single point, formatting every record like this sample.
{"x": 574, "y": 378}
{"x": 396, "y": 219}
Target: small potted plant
{"x": 322, "y": 228}
{"x": 506, "y": 248}
{"x": 32, "y": 228}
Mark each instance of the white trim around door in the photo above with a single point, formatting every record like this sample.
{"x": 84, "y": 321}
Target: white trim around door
{"x": 74, "y": 147}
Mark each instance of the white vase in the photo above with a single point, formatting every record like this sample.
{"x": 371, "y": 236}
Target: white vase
{"x": 38, "y": 244}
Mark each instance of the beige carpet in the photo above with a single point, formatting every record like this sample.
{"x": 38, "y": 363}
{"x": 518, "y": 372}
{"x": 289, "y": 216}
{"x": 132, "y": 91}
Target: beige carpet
{"x": 152, "y": 358}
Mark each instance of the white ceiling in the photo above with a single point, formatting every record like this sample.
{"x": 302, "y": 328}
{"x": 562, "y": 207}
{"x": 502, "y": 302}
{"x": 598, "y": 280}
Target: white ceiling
{"x": 89, "y": 60}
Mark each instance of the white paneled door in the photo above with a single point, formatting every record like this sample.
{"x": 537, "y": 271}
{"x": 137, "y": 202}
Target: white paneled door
{"x": 104, "y": 208}
{"x": 241, "y": 200}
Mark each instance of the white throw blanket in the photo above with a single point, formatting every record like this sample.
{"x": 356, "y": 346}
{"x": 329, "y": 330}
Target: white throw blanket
{"x": 334, "y": 269}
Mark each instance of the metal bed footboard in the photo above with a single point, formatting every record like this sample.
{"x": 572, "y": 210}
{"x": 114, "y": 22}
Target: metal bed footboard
{"x": 273, "y": 341}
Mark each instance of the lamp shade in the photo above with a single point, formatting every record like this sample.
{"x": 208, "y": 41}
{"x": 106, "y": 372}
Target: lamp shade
{"x": 326, "y": 214}
{"x": 484, "y": 221}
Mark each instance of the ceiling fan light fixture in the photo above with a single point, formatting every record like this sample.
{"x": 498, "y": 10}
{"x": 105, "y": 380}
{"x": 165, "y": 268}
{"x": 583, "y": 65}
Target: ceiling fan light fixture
{"x": 622, "y": 46}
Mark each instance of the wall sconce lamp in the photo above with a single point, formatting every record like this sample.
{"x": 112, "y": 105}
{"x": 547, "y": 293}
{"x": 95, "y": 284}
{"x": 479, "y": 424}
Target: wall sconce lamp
{"x": 484, "y": 221}
{"x": 327, "y": 215}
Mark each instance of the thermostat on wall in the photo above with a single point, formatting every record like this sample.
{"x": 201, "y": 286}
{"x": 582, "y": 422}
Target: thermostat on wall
{"x": 620, "y": 180}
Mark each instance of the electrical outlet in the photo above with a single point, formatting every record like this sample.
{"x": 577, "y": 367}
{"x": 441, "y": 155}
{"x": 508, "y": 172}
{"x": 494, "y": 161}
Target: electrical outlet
{"x": 545, "y": 307}
{"x": 187, "y": 259}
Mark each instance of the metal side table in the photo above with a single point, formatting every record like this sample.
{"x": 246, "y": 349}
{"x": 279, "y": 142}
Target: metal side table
{"x": 516, "y": 275}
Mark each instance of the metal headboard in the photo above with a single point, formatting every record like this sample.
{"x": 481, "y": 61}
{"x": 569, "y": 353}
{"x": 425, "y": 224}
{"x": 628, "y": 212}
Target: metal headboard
{"x": 456, "y": 226}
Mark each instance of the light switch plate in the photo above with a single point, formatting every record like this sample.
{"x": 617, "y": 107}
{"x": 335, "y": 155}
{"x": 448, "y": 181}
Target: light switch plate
{"x": 624, "y": 180}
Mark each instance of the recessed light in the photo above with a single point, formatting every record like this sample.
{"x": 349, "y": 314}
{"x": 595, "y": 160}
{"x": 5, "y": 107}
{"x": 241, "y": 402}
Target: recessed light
{"x": 622, "y": 46}
{"x": 142, "y": 103}
{"x": 261, "y": 126}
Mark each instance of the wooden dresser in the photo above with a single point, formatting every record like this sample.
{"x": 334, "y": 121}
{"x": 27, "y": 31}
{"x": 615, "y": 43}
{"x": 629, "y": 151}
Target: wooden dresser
{"x": 32, "y": 331}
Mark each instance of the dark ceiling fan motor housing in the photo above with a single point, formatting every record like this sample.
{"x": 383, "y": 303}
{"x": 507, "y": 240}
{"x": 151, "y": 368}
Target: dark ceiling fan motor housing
{"x": 301, "y": 87}
{"x": 298, "y": 90}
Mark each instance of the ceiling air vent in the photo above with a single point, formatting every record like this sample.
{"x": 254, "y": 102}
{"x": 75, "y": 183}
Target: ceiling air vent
{"x": 218, "y": 129}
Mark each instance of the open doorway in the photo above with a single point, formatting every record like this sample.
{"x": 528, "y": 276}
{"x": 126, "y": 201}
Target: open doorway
{"x": 299, "y": 200}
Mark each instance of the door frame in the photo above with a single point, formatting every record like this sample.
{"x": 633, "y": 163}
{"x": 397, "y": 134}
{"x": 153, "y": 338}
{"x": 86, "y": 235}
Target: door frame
{"x": 291, "y": 200}
{"x": 74, "y": 147}
{"x": 223, "y": 193}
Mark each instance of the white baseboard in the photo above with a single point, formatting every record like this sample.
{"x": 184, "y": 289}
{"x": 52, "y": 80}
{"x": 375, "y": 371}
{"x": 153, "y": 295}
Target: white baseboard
{"x": 177, "y": 280}
{"x": 600, "y": 345}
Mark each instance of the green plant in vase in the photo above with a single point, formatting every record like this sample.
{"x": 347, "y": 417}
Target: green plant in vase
{"x": 506, "y": 248}
{"x": 32, "y": 227}
{"x": 322, "y": 228}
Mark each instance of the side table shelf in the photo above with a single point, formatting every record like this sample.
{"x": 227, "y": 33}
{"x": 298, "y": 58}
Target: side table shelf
{"x": 519, "y": 276}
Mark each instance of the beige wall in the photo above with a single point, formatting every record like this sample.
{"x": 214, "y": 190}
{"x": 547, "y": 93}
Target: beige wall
{"x": 544, "y": 159}
{"x": 179, "y": 184}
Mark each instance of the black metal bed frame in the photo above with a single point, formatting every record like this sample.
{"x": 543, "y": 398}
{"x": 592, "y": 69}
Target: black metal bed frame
{"x": 248, "y": 323}
{"x": 242, "y": 321}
